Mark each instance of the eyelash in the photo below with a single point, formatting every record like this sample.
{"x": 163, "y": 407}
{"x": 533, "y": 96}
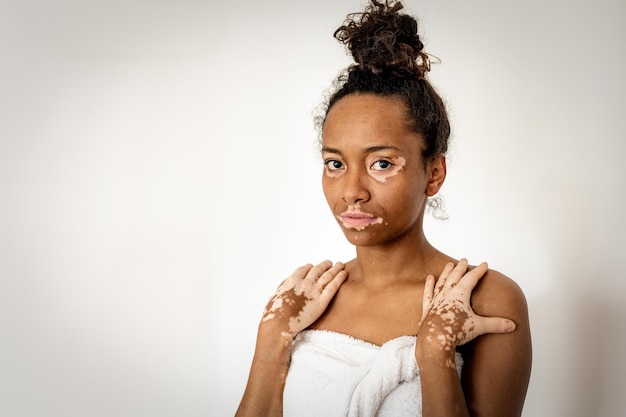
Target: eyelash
{"x": 389, "y": 164}
{"x": 329, "y": 165}
{"x": 335, "y": 165}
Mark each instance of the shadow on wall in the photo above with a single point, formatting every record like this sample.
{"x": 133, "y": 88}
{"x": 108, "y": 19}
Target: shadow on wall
{"x": 578, "y": 338}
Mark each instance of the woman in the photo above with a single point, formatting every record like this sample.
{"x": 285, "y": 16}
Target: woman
{"x": 380, "y": 335}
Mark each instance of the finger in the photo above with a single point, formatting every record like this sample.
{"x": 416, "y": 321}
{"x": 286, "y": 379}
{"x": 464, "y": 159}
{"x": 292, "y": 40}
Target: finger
{"x": 429, "y": 289}
{"x": 486, "y": 325}
{"x": 296, "y": 275}
{"x": 301, "y": 271}
{"x": 316, "y": 272}
{"x": 443, "y": 277}
{"x": 327, "y": 276}
{"x": 333, "y": 285}
{"x": 471, "y": 278}
{"x": 457, "y": 273}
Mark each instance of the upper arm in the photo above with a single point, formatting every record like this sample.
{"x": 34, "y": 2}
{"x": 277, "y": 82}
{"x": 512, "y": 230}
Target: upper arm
{"x": 496, "y": 368}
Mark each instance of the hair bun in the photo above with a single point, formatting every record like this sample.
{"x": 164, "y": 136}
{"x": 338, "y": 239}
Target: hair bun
{"x": 381, "y": 39}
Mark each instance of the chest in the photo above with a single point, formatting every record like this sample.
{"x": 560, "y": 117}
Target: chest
{"x": 374, "y": 316}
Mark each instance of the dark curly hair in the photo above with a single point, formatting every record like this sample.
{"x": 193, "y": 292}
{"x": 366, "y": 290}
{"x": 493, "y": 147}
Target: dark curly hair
{"x": 389, "y": 61}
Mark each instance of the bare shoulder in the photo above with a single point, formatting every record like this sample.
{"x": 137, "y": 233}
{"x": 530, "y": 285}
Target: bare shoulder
{"x": 497, "y": 367}
{"x": 498, "y": 295}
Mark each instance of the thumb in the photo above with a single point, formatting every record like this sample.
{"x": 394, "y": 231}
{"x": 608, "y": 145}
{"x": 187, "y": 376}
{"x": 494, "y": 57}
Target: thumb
{"x": 495, "y": 325}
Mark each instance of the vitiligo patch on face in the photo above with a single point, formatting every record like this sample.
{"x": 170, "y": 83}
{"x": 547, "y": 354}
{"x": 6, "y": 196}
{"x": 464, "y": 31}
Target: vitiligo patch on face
{"x": 382, "y": 175}
{"x": 332, "y": 173}
{"x": 354, "y": 218}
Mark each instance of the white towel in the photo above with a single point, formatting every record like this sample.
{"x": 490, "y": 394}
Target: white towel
{"x": 333, "y": 374}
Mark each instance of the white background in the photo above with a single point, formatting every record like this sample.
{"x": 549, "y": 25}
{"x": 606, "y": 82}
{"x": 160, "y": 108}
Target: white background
{"x": 159, "y": 177}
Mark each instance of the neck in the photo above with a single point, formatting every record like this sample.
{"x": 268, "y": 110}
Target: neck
{"x": 411, "y": 258}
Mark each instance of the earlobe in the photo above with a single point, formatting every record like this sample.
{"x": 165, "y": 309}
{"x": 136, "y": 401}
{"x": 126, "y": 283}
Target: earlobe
{"x": 437, "y": 171}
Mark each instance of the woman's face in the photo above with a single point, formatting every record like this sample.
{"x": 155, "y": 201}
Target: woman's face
{"x": 374, "y": 177}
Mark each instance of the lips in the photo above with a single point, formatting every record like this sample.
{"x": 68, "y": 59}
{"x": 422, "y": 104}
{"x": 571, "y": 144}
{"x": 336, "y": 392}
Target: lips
{"x": 356, "y": 219}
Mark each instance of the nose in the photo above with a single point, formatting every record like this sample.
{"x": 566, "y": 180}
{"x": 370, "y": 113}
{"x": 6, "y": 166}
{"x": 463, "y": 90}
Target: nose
{"x": 355, "y": 188}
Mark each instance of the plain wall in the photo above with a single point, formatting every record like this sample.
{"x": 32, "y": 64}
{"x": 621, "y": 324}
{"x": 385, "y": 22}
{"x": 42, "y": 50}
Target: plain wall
{"x": 159, "y": 176}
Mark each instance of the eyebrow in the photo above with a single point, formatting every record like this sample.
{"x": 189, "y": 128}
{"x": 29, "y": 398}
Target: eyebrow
{"x": 331, "y": 150}
{"x": 373, "y": 149}
{"x": 366, "y": 151}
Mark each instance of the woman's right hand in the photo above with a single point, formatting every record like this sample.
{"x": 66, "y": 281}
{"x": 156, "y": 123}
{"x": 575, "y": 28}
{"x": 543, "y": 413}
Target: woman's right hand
{"x": 298, "y": 302}
{"x": 302, "y": 298}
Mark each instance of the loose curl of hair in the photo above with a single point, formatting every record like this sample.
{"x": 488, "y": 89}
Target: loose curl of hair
{"x": 389, "y": 61}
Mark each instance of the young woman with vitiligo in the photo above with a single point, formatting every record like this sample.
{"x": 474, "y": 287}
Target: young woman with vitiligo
{"x": 380, "y": 335}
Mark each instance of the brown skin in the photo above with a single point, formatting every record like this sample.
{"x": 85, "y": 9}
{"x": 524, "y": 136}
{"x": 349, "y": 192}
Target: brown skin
{"x": 390, "y": 288}
{"x": 297, "y": 303}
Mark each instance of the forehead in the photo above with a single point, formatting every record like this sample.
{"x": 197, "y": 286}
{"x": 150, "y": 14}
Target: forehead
{"x": 366, "y": 120}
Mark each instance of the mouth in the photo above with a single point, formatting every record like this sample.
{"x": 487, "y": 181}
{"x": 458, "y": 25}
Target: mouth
{"x": 356, "y": 219}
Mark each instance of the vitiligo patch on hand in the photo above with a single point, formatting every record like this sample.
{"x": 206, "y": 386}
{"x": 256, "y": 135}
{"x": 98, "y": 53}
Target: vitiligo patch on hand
{"x": 452, "y": 325}
{"x": 284, "y": 299}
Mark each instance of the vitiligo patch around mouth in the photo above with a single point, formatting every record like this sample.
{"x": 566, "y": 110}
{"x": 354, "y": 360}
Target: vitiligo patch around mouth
{"x": 354, "y": 218}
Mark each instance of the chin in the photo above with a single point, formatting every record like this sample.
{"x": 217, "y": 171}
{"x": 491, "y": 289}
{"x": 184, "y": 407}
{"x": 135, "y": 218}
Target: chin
{"x": 362, "y": 237}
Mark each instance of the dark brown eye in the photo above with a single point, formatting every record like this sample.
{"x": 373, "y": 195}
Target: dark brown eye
{"x": 334, "y": 165}
{"x": 381, "y": 165}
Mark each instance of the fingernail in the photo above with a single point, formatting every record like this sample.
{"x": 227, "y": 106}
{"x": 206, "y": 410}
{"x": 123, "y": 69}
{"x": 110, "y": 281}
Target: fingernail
{"x": 510, "y": 326}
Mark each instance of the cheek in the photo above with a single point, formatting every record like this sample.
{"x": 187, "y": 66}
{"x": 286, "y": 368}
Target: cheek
{"x": 327, "y": 188}
{"x": 332, "y": 173}
{"x": 406, "y": 200}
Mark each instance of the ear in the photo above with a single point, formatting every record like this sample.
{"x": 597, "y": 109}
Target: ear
{"x": 437, "y": 174}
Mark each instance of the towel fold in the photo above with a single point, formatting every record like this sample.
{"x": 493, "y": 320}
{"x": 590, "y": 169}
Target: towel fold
{"x": 333, "y": 374}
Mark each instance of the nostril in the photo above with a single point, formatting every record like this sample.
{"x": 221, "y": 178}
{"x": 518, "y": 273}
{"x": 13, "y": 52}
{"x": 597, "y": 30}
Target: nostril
{"x": 352, "y": 200}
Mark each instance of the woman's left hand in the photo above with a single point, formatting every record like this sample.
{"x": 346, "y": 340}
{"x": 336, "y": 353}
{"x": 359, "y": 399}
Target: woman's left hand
{"x": 448, "y": 320}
